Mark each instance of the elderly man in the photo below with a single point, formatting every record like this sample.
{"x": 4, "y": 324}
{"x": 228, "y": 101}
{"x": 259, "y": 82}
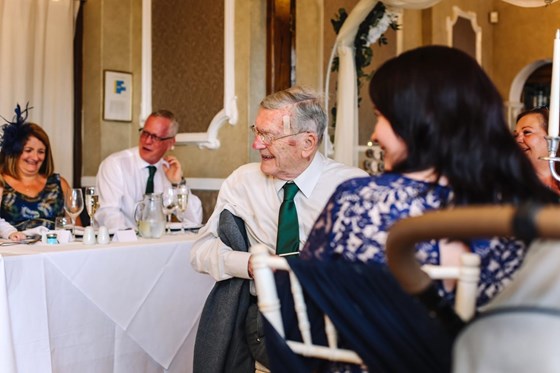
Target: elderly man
{"x": 288, "y": 131}
{"x": 124, "y": 177}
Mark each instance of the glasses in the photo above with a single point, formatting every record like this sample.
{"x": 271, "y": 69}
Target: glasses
{"x": 148, "y": 135}
{"x": 269, "y": 139}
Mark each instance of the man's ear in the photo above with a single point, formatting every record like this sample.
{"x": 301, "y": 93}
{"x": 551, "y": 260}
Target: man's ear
{"x": 310, "y": 143}
{"x": 171, "y": 144}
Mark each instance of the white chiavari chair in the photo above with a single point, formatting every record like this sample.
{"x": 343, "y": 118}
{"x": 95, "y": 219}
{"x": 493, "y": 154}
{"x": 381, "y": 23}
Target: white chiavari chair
{"x": 264, "y": 265}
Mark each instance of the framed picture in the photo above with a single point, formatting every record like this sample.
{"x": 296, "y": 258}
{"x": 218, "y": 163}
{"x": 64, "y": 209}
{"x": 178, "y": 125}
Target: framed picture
{"x": 117, "y": 101}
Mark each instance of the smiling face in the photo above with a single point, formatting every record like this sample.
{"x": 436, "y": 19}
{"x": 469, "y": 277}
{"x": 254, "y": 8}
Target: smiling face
{"x": 529, "y": 133}
{"x": 152, "y": 150}
{"x": 394, "y": 147}
{"x": 32, "y": 158}
{"x": 284, "y": 158}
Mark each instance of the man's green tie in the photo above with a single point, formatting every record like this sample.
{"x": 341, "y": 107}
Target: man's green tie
{"x": 287, "y": 241}
{"x": 150, "y": 182}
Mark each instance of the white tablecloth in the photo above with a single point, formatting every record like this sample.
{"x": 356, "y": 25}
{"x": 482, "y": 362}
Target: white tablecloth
{"x": 122, "y": 307}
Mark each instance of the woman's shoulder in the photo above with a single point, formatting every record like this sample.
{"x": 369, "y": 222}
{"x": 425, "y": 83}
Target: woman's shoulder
{"x": 388, "y": 180}
{"x": 55, "y": 180}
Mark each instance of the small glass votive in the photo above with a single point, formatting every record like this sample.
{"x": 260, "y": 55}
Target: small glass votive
{"x": 52, "y": 239}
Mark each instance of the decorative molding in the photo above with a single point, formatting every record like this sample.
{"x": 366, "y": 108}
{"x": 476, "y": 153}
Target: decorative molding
{"x": 229, "y": 114}
{"x": 201, "y": 183}
{"x": 471, "y": 16}
{"x": 195, "y": 183}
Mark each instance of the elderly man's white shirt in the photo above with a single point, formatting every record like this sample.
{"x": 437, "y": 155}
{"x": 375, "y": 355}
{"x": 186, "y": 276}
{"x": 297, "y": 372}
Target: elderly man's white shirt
{"x": 256, "y": 198}
{"x": 121, "y": 183}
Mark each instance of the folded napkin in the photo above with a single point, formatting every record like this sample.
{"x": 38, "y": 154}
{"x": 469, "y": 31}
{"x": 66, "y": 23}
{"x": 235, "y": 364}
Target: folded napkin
{"x": 37, "y": 230}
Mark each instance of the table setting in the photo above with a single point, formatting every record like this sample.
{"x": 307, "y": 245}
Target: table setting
{"x": 99, "y": 303}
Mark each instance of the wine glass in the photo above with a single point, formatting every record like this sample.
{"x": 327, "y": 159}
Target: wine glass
{"x": 169, "y": 201}
{"x": 182, "y": 191}
{"x": 73, "y": 205}
{"x": 92, "y": 203}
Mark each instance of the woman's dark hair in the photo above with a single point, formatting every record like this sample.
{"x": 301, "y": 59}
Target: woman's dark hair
{"x": 450, "y": 115}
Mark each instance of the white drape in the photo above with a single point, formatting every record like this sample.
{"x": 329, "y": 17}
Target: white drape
{"x": 346, "y": 132}
{"x": 36, "y": 59}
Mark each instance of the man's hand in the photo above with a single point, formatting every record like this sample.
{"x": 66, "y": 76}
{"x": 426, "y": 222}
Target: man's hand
{"x": 250, "y": 266}
{"x": 174, "y": 173}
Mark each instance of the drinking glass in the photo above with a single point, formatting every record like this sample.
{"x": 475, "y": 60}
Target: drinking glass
{"x": 61, "y": 223}
{"x": 182, "y": 191}
{"x": 169, "y": 202}
{"x": 92, "y": 203}
{"x": 73, "y": 205}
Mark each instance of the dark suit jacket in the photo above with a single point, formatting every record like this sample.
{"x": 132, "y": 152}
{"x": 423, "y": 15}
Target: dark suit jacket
{"x": 220, "y": 344}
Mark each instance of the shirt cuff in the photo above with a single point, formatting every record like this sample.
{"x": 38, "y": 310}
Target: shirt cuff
{"x": 235, "y": 264}
{"x": 177, "y": 184}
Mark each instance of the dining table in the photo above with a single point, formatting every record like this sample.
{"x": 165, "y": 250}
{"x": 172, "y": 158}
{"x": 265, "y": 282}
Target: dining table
{"x": 121, "y": 307}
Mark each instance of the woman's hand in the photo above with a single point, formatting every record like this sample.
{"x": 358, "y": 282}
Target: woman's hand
{"x": 17, "y": 236}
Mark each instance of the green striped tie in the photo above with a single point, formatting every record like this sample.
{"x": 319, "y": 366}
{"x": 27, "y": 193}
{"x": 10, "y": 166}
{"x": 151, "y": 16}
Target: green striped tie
{"x": 287, "y": 241}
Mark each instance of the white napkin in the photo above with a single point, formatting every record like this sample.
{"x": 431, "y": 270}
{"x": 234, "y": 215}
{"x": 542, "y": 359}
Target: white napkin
{"x": 128, "y": 235}
{"x": 37, "y": 230}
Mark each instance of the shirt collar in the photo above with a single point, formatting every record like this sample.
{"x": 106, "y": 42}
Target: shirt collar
{"x": 141, "y": 164}
{"x": 308, "y": 179}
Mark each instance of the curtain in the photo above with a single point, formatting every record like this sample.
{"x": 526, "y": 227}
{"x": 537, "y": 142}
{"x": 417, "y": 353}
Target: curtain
{"x": 36, "y": 49}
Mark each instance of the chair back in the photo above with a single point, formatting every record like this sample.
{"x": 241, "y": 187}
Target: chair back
{"x": 265, "y": 264}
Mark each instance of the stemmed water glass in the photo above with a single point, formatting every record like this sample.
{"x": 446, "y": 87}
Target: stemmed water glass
{"x": 169, "y": 201}
{"x": 182, "y": 191}
{"x": 92, "y": 203}
{"x": 73, "y": 205}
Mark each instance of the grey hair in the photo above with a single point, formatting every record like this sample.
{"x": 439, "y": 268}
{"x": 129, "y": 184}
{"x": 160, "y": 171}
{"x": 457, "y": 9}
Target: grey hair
{"x": 306, "y": 109}
{"x": 173, "y": 127}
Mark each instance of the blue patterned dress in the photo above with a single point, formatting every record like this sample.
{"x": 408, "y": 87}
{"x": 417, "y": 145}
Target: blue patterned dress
{"x": 25, "y": 212}
{"x": 356, "y": 220}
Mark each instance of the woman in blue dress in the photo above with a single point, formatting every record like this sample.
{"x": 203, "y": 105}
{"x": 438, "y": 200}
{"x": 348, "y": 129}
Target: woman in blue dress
{"x": 440, "y": 123}
{"x": 32, "y": 193}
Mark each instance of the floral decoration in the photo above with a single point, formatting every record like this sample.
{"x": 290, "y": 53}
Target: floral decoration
{"x": 371, "y": 29}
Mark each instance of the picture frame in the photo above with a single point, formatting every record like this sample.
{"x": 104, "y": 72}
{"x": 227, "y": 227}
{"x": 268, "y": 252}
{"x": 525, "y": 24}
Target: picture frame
{"x": 117, "y": 98}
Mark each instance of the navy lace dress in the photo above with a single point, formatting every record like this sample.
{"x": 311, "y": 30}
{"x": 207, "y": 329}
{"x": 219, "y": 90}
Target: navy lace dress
{"x": 356, "y": 220}
{"x": 25, "y": 212}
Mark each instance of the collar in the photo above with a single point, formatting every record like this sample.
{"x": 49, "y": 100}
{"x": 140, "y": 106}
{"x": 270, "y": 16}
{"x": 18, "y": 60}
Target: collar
{"x": 308, "y": 179}
{"x": 141, "y": 164}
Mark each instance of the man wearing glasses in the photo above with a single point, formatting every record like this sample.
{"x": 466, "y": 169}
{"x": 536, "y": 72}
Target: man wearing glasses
{"x": 124, "y": 177}
{"x": 288, "y": 130}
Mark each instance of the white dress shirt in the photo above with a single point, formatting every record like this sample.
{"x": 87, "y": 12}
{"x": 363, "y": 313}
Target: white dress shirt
{"x": 256, "y": 198}
{"x": 6, "y": 228}
{"x": 121, "y": 183}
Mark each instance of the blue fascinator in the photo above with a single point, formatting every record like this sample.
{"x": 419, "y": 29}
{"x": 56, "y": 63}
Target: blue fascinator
{"x": 16, "y": 132}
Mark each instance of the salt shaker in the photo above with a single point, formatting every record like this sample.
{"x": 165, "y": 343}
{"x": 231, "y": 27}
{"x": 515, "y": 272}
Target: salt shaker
{"x": 103, "y": 235}
{"x": 89, "y": 236}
